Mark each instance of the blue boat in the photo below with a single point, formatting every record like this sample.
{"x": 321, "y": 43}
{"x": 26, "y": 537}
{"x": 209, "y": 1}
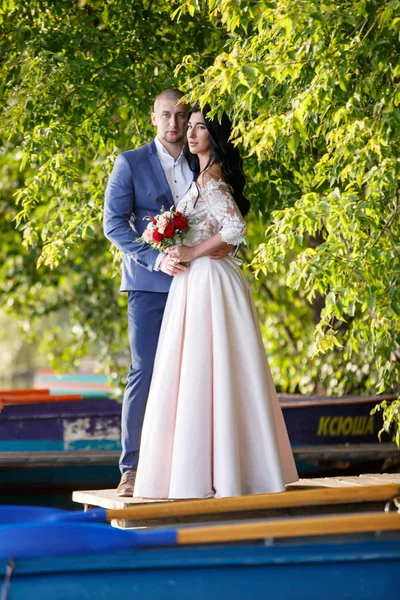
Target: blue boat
{"x": 86, "y": 383}
{"x": 48, "y": 552}
{"x": 358, "y": 568}
{"x": 87, "y": 424}
{"x": 54, "y": 448}
{"x": 338, "y": 435}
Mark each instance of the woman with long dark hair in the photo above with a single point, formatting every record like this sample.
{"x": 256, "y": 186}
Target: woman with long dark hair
{"x": 222, "y": 154}
{"x": 213, "y": 425}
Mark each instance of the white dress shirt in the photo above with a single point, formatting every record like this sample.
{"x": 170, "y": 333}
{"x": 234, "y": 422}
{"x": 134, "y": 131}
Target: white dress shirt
{"x": 179, "y": 177}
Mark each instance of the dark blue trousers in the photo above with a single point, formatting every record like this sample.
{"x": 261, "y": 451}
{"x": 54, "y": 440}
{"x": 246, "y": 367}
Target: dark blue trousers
{"x": 145, "y": 312}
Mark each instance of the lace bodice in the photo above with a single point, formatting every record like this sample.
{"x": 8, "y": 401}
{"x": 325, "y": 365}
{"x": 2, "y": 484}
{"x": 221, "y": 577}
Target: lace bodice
{"x": 214, "y": 212}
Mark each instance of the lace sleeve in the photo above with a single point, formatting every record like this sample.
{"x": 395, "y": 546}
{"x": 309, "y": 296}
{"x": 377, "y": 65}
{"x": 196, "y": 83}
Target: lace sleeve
{"x": 224, "y": 209}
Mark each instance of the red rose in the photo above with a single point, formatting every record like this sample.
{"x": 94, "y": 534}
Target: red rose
{"x": 180, "y": 222}
{"x": 178, "y": 214}
{"x": 169, "y": 231}
{"x": 154, "y": 221}
{"x": 157, "y": 236}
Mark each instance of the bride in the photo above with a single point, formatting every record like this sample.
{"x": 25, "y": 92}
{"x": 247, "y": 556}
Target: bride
{"x": 213, "y": 424}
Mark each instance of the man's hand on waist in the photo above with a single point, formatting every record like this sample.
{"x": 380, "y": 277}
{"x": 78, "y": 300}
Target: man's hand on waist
{"x": 222, "y": 253}
{"x": 171, "y": 267}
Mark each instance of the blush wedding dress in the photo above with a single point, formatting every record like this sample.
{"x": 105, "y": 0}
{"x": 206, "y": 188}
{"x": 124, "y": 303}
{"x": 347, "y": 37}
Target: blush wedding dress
{"x": 213, "y": 424}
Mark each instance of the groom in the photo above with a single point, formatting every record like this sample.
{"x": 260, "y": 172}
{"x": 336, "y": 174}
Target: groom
{"x": 142, "y": 181}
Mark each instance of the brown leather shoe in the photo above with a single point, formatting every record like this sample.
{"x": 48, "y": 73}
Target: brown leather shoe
{"x": 127, "y": 484}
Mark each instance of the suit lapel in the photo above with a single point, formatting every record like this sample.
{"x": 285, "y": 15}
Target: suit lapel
{"x": 159, "y": 172}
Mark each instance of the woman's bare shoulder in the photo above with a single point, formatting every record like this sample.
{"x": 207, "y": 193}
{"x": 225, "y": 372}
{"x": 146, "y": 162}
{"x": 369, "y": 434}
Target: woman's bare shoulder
{"x": 214, "y": 173}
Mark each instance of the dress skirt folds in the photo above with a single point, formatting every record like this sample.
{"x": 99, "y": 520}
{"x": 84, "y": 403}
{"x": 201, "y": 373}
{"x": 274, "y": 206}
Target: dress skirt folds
{"x": 213, "y": 423}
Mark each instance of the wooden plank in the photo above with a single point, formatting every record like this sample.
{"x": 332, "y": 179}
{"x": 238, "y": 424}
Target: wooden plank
{"x": 346, "y": 451}
{"x": 290, "y": 528}
{"x": 25, "y": 392}
{"x": 327, "y": 482}
{"x": 110, "y": 457}
{"x": 379, "y": 478}
{"x": 141, "y": 508}
{"x": 348, "y": 481}
{"x": 33, "y": 398}
{"x": 49, "y": 458}
{"x": 287, "y": 400}
{"x": 336, "y": 482}
{"x": 298, "y": 400}
{"x": 324, "y": 496}
{"x": 109, "y": 499}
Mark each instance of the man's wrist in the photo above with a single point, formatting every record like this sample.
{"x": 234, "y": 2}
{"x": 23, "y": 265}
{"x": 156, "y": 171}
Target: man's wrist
{"x": 158, "y": 262}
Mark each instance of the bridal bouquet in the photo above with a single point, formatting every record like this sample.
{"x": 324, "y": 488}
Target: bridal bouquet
{"x": 168, "y": 228}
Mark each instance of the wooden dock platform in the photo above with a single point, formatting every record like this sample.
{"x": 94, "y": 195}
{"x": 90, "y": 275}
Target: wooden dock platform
{"x": 108, "y": 499}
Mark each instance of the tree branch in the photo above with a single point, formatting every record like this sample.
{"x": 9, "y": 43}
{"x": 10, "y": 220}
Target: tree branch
{"x": 386, "y": 227}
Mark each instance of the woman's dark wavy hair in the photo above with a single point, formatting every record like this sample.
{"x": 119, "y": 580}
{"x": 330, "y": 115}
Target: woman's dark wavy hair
{"x": 222, "y": 152}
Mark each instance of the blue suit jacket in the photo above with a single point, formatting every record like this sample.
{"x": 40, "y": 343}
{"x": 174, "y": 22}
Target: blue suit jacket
{"x": 137, "y": 184}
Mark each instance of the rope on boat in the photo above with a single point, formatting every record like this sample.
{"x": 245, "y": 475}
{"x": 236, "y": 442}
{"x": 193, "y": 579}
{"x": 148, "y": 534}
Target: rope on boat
{"x": 396, "y": 504}
{"x": 9, "y": 571}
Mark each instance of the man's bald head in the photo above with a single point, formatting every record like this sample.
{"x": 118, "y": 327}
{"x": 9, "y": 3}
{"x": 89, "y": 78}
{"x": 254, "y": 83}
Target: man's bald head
{"x": 169, "y": 116}
{"x": 172, "y": 94}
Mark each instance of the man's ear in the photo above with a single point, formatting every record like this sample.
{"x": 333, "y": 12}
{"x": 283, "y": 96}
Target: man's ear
{"x": 153, "y": 118}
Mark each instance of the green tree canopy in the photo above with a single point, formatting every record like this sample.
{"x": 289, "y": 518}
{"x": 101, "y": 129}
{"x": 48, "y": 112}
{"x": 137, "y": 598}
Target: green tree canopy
{"x": 314, "y": 91}
{"x": 78, "y": 79}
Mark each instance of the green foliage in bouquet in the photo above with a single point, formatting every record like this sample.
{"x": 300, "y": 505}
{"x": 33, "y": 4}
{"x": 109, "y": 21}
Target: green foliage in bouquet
{"x": 167, "y": 228}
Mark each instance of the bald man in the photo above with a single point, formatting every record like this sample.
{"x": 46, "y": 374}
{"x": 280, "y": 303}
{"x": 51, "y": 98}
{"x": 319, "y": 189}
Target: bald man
{"x": 142, "y": 181}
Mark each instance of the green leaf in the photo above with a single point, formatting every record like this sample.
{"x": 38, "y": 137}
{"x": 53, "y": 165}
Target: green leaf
{"x": 294, "y": 142}
{"x": 395, "y": 307}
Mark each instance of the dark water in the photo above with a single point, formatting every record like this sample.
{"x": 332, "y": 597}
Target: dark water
{"x": 54, "y": 486}
{"x": 40, "y": 497}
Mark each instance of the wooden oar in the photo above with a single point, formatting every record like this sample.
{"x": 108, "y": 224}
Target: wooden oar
{"x": 34, "y": 398}
{"x": 183, "y": 508}
{"x": 27, "y": 392}
{"x": 61, "y": 538}
{"x": 308, "y": 526}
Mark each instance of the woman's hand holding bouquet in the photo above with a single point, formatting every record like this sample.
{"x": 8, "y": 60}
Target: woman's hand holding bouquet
{"x": 166, "y": 230}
